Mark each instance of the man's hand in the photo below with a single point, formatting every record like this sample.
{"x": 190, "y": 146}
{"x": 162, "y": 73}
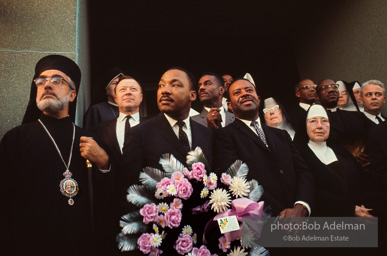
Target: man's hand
{"x": 297, "y": 211}
{"x": 361, "y": 211}
{"x": 94, "y": 153}
{"x": 363, "y": 159}
{"x": 214, "y": 119}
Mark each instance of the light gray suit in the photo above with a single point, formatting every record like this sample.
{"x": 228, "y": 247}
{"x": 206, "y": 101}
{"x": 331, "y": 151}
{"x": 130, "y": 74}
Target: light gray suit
{"x": 201, "y": 118}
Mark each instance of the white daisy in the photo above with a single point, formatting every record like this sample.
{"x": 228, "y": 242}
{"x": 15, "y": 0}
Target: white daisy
{"x": 237, "y": 252}
{"x": 171, "y": 189}
{"x": 187, "y": 230}
{"x": 156, "y": 240}
{"x": 239, "y": 187}
{"x": 205, "y": 177}
{"x": 220, "y": 200}
{"x": 213, "y": 177}
{"x": 204, "y": 192}
{"x": 162, "y": 207}
{"x": 160, "y": 194}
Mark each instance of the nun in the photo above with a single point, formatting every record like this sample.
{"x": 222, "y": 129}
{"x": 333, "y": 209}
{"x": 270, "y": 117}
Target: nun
{"x": 275, "y": 116}
{"x": 339, "y": 179}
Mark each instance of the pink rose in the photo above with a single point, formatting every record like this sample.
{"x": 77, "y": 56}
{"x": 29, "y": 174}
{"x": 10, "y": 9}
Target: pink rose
{"x": 160, "y": 220}
{"x": 155, "y": 252}
{"x": 144, "y": 243}
{"x": 225, "y": 179}
{"x": 176, "y": 177}
{"x": 164, "y": 183}
{"x": 198, "y": 171}
{"x": 183, "y": 244}
{"x": 203, "y": 251}
{"x": 173, "y": 218}
{"x": 184, "y": 189}
{"x": 223, "y": 244}
{"x": 149, "y": 212}
{"x": 177, "y": 204}
{"x": 211, "y": 184}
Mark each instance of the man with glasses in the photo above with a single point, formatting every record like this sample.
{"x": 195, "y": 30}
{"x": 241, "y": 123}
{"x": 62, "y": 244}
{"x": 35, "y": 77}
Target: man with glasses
{"x": 305, "y": 91}
{"x": 47, "y": 189}
{"x": 348, "y": 128}
{"x": 373, "y": 99}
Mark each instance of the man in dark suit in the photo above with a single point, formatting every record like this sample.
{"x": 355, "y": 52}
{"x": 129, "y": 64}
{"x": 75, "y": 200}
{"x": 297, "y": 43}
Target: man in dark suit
{"x": 128, "y": 95}
{"x": 211, "y": 91}
{"x": 162, "y": 134}
{"x": 171, "y": 132}
{"x": 268, "y": 152}
{"x": 348, "y": 128}
{"x": 372, "y": 98}
{"x": 305, "y": 90}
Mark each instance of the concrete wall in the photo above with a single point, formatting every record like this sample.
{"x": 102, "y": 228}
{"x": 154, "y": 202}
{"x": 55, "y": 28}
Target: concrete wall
{"x": 31, "y": 30}
{"x": 342, "y": 40}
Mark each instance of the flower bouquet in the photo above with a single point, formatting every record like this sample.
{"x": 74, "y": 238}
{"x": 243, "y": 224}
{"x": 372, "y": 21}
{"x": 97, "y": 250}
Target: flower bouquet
{"x": 181, "y": 207}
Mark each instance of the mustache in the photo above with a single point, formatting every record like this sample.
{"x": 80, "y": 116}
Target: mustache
{"x": 165, "y": 97}
{"x": 48, "y": 93}
{"x": 245, "y": 97}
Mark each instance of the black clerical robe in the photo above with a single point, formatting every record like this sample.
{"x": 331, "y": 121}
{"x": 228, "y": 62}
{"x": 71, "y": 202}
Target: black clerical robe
{"x": 99, "y": 113}
{"x": 35, "y": 217}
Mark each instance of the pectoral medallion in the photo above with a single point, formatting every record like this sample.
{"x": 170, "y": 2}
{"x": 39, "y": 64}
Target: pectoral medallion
{"x": 68, "y": 186}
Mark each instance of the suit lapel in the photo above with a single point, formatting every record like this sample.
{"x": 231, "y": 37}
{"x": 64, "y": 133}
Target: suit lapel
{"x": 229, "y": 117}
{"x": 167, "y": 132}
{"x": 112, "y": 134}
{"x": 247, "y": 131}
{"x": 203, "y": 115}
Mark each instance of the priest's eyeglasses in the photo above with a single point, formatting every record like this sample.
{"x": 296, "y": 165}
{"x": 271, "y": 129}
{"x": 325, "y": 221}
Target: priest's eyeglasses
{"x": 333, "y": 86}
{"x": 307, "y": 87}
{"x": 55, "y": 81}
{"x": 273, "y": 108}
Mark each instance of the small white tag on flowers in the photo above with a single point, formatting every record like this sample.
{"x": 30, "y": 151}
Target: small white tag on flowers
{"x": 228, "y": 224}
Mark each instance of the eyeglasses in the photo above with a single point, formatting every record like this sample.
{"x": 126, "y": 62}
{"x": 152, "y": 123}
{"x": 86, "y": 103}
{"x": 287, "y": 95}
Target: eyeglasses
{"x": 325, "y": 87}
{"x": 307, "y": 87}
{"x": 314, "y": 123}
{"x": 273, "y": 108}
{"x": 343, "y": 92}
{"x": 55, "y": 81}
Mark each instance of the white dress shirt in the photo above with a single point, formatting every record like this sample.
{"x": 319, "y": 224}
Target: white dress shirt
{"x": 373, "y": 117}
{"x": 120, "y": 127}
{"x": 222, "y": 114}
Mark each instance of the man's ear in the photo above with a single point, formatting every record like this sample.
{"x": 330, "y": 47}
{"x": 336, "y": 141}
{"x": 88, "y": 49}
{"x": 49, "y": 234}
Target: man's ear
{"x": 73, "y": 94}
{"x": 221, "y": 90}
{"x": 192, "y": 96}
{"x": 298, "y": 94}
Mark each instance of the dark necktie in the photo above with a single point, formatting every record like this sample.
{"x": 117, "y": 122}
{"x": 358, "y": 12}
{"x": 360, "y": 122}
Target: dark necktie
{"x": 260, "y": 132}
{"x": 127, "y": 129}
{"x": 183, "y": 136}
{"x": 379, "y": 119}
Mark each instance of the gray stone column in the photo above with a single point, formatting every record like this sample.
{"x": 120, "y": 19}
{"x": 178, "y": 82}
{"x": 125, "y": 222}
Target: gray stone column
{"x": 31, "y": 30}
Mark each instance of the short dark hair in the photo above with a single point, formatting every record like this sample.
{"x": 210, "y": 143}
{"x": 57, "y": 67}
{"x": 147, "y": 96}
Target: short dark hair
{"x": 124, "y": 77}
{"x": 191, "y": 77}
{"x": 238, "y": 79}
{"x": 217, "y": 77}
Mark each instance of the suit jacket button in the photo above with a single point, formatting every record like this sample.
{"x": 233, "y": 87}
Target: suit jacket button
{"x": 281, "y": 171}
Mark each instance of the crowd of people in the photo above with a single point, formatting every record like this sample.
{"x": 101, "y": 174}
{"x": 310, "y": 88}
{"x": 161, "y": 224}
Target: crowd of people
{"x": 64, "y": 188}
